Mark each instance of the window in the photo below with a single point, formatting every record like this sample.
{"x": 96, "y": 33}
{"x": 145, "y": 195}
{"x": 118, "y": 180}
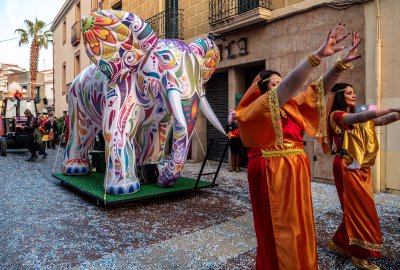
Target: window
{"x": 95, "y": 5}
{"x": 246, "y": 5}
{"x": 64, "y": 30}
{"x": 64, "y": 79}
{"x": 77, "y": 63}
{"x": 117, "y": 6}
{"x": 171, "y": 19}
{"x": 37, "y": 93}
{"x": 76, "y": 27}
{"x": 78, "y": 12}
{"x": 10, "y": 108}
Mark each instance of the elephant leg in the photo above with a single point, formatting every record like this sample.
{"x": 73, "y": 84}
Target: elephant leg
{"x": 171, "y": 169}
{"x": 82, "y": 130}
{"x": 120, "y": 123}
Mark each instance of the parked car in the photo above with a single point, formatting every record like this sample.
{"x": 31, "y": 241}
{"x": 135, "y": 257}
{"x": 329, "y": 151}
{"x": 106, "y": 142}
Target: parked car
{"x": 12, "y": 121}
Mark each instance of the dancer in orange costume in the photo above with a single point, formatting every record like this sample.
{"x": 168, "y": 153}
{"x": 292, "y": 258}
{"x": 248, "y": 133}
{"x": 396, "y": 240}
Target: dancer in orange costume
{"x": 271, "y": 125}
{"x": 359, "y": 235}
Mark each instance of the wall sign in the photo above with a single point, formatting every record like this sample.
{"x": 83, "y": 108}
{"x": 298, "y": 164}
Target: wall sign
{"x": 233, "y": 48}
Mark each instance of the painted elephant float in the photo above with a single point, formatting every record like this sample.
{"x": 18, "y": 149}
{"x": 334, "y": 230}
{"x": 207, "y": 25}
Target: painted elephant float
{"x": 138, "y": 88}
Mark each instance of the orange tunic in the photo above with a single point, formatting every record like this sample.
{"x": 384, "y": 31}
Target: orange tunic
{"x": 279, "y": 174}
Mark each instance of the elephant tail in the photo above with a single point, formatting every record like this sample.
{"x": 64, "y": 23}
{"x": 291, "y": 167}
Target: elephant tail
{"x": 207, "y": 50}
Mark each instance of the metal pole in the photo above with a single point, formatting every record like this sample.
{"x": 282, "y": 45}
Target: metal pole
{"x": 204, "y": 163}
{"x": 220, "y": 163}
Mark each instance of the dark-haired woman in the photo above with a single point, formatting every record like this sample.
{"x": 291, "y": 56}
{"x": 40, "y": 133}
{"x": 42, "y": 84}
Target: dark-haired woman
{"x": 359, "y": 235}
{"x": 234, "y": 141}
{"x": 271, "y": 125}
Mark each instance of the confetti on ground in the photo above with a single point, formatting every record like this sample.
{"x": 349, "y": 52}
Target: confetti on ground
{"x": 47, "y": 226}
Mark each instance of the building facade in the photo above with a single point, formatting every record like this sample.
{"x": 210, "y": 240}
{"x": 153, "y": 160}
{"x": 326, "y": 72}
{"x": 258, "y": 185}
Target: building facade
{"x": 6, "y": 69}
{"x": 257, "y": 34}
{"x": 69, "y": 56}
{"x": 22, "y": 82}
{"x": 48, "y": 98}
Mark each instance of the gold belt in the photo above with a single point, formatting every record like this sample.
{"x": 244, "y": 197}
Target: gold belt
{"x": 283, "y": 152}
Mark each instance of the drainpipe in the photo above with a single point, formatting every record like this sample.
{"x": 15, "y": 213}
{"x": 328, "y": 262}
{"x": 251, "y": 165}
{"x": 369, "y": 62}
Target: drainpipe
{"x": 378, "y": 92}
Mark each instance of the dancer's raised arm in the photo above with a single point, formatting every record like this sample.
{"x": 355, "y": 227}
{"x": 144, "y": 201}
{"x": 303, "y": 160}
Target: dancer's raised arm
{"x": 300, "y": 74}
{"x": 332, "y": 75}
{"x": 380, "y": 117}
{"x": 387, "y": 119}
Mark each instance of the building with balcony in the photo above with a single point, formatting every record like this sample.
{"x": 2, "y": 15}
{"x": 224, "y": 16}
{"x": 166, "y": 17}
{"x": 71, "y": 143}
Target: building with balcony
{"x": 22, "y": 81}
{"x": 6, "y": 69}
{"x": 69, "y": 56}
{"x": 257, "y": 34}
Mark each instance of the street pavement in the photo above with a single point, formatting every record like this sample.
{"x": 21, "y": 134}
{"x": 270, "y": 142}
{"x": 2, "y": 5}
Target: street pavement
{"x": 44, "y": 225}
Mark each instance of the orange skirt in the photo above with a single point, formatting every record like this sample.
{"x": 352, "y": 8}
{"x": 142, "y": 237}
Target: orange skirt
{"x": 359, "y": 234}
{"x": 282, "y": 209}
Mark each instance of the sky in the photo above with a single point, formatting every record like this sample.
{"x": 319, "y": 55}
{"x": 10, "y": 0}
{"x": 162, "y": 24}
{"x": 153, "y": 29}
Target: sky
{"x": 13, "y": 14}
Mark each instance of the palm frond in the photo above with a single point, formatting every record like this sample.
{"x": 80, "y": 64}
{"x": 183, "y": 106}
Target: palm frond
{"x": 49, "y": 36}
{"x": 23, "y": 36}
{"x": 39, "y": 25}
{"x": 19, "y": 30}
{"x": 42, "y": 41}
{"x": 30, "y": 26}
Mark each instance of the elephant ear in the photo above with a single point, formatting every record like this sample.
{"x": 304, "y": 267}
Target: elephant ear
{"x": 208, "y": 52}
{"x": 117, "y": 41}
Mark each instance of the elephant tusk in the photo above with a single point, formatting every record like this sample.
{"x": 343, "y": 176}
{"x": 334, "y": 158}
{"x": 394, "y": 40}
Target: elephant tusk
{"x": 176, "y": 105}
{"x": 209, "y": 113}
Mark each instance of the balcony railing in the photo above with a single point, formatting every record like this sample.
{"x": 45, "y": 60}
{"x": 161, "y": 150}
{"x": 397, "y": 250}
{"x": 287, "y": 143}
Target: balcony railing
{"x": 168, "y": 24}
{"x": 222, "y": 10}
{"x": 76, "y": 33}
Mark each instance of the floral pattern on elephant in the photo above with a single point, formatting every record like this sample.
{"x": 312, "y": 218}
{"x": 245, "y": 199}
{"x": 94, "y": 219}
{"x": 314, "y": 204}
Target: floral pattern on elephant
{"x": 138, "y": 89}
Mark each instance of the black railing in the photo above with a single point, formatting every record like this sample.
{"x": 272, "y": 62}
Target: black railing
{"x": 168, "y": 24}
{"x": 221, "y": 10}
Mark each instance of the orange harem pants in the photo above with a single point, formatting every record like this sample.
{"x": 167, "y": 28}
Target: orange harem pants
{"x": 282, "y": 210}
{"x": 359, "y": 233}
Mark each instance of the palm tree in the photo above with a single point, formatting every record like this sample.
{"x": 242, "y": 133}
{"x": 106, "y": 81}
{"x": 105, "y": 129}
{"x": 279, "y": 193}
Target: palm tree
{"x": 38, "y": 39}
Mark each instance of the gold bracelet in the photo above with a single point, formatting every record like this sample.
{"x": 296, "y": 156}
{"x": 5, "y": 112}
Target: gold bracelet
{"x": 314, "y": 61}
{"x": 340, "y": 66}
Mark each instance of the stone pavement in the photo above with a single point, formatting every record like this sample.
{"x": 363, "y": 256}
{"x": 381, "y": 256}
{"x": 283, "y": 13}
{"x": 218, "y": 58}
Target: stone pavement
{"x": 44, "y": 225}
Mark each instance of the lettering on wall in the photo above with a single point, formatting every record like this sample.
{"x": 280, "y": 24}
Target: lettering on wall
{"x": 232, "y": 49}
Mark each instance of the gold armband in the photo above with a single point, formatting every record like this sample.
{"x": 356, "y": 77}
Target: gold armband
{"x": 314, "y": 61}
{"x": 340, "y": 66}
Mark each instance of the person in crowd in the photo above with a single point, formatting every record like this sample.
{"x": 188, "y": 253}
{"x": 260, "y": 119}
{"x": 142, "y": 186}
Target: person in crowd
{"x": 359, "y": 235}
{"x": 234, "y": 141}
{"x": 271, "y": 125}
{"x": 37, "y": 136}
{"x": 45, "y": 118}
{"x": 29, "y": 128}
{"x": 52, "y": 130}
{"x": 99, "y": 142}
{"x": 18, "y": 94}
